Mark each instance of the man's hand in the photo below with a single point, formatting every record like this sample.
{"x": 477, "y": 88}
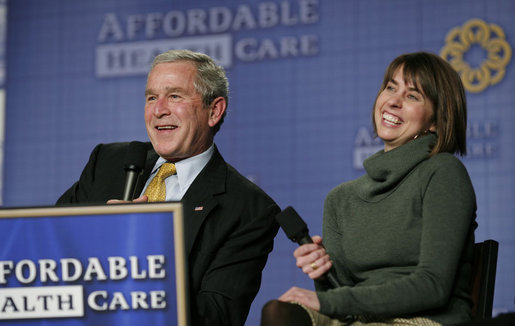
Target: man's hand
{"x": 142, "y": 199}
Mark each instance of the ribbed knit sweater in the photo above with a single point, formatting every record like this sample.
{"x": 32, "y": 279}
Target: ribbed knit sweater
{"x": 401, "y": 237}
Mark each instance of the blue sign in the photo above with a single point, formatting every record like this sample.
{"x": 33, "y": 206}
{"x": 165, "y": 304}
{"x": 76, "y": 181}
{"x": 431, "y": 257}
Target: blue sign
{"x": 91, "y": 269}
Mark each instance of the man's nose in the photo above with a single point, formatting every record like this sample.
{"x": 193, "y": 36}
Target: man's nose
{"x": 161, "y": 108}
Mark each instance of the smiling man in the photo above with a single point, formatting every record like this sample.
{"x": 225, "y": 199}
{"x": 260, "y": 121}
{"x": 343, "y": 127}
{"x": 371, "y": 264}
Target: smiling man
{"x": 229, "y": 222}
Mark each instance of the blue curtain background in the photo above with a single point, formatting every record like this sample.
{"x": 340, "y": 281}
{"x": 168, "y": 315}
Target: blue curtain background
{"x": 303, "y": 76}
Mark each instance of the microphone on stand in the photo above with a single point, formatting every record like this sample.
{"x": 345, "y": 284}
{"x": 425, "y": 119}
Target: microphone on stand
{"x": 134, "y": 163}
{"x": 297, "y": 231}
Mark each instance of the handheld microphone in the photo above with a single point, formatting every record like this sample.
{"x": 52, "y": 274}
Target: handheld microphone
{"x": 134, "y": 163}
{"x": 297, "y": 231}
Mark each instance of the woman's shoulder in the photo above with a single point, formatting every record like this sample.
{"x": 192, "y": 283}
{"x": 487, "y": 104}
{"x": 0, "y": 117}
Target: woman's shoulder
{"x": 445, "y": 161}
{"x": 445, "y": 166}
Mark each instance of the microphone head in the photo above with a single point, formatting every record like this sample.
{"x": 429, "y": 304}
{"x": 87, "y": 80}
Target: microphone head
{"x": 292, "y": 224}
{"x": 136, "y": 156}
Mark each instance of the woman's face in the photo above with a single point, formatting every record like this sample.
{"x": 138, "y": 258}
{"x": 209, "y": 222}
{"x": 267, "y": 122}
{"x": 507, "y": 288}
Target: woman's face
{"x": 402, "y": 112}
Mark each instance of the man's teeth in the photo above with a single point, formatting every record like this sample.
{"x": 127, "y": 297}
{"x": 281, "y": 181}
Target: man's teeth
{"x": 166, "y": 127}
{"x": 391, "y": 118}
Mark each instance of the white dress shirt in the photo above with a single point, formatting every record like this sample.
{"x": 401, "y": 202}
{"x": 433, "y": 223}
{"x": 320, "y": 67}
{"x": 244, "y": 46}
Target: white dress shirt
{"x": 187, "y": 171}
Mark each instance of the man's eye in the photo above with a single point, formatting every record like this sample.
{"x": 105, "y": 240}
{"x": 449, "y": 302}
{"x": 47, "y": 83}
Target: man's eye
{"x": 151, "y": 98}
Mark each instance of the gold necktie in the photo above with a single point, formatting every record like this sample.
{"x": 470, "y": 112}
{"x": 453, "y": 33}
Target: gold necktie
{"x": 156, "y": 190}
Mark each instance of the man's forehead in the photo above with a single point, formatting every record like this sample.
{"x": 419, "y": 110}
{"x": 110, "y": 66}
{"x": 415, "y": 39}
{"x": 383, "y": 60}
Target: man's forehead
{"x": 167, "y": 89}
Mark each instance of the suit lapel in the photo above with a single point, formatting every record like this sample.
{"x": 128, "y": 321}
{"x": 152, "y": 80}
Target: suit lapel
{"x": 200, "y": 199}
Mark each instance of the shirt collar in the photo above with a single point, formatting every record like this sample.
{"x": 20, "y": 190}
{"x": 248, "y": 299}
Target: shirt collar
{"x": 189, "y": 168}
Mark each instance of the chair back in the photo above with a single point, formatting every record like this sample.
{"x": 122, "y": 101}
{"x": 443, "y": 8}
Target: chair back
{"x": 484, "y": 267}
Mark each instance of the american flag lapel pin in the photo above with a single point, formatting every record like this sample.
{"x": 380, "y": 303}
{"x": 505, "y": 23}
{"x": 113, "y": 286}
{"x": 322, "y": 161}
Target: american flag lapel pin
{"x": 198, "y": 208}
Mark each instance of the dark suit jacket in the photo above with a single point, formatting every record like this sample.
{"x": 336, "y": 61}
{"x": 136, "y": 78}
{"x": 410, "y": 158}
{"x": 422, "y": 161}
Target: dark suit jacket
{"x": 227, "y": 242}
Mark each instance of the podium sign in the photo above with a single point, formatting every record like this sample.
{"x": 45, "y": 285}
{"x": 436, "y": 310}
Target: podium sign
{"x": 93, "y": 265}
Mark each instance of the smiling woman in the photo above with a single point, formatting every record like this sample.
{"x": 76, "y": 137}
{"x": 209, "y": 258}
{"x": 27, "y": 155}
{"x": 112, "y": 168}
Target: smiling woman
{"x": 407, "y": 226}
{"x": 421, "y": 93}
{"x": 402, "y": 112}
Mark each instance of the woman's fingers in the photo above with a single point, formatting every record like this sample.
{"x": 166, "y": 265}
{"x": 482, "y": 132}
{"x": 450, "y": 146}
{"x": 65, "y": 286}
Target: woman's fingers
{"x": 318, "y": 268}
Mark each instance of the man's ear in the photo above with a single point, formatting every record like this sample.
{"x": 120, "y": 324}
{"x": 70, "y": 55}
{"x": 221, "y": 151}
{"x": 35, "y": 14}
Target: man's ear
{"x": 216, "y": 110}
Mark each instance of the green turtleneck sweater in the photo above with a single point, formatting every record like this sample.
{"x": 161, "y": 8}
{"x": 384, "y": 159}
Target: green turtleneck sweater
{"x": 401, "y": 237}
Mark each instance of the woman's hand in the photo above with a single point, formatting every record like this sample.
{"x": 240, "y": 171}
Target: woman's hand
{"x": 312, "y": 258}
{"x": 306, "y": 297}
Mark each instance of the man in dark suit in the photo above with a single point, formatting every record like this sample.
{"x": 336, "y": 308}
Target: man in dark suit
{"x": 229, "y": 222}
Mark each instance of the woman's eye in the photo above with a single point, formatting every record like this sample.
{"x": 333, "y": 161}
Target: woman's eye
{"x": 413, "y": 97}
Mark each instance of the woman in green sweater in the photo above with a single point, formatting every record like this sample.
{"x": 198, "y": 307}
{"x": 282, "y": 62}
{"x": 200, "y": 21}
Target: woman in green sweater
{"x": 399, "y": 238}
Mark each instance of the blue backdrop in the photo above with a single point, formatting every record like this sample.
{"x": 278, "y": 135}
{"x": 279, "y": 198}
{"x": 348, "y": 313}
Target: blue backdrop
{"x": 303, "y": 76}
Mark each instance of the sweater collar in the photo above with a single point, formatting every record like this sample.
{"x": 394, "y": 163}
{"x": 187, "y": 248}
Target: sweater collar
{"x": 386, "y": 169}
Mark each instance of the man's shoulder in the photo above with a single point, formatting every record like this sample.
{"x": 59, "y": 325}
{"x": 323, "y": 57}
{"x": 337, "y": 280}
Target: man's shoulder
{"x": 236, "y": 181}
{"x": 116, "y": 147}
{"x": 113, "y": 151}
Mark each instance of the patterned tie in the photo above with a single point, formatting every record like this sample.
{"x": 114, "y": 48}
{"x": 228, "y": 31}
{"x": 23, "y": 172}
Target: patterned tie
{"x": 156, "y": 190}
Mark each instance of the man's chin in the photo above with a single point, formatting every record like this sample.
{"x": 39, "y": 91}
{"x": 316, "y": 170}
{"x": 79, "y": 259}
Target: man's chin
{"x": 166, "y": 152}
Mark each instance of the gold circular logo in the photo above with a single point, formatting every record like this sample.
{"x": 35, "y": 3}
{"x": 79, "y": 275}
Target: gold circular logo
{"x": 490, "y": 38}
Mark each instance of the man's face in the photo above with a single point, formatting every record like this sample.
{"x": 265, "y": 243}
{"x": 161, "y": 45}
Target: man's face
{"x": 178, "y": 124}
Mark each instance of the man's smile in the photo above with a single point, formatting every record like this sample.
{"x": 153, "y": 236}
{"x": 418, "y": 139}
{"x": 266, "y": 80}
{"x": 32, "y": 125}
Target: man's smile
{"x": 167, "y": 127}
